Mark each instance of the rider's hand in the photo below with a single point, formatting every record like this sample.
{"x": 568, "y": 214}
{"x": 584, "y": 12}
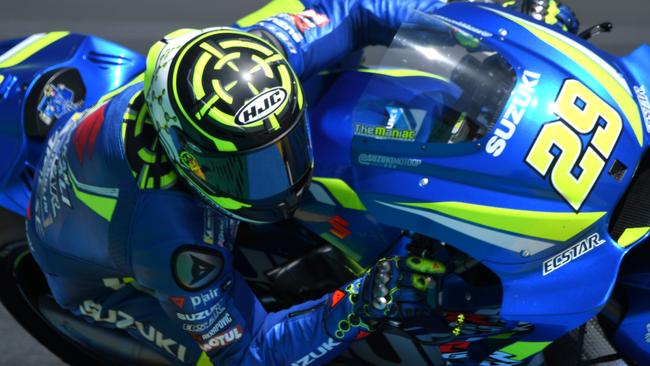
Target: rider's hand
{"x": 394, "y": 289}
{"x": 552, "y": 12}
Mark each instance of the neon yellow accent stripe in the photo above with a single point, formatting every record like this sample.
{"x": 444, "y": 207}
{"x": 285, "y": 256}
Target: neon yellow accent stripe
{"x": 274, "y": 122}
{"x": 222, "y": 117}
{"x": 275, "y": 7}
{"x": 223, "y": 145}
{"x": 261, "y": 64}
{"x": 197, "y": 78}
{"x": 559, "y": 226}
{"x": 33, "y": 48}
{"x": 615, "y": 87}
{"x": 105, "y": 98}
{"x": 226, "y": 60}
{"x": 249, "y": 45}
{"x": 208, "y": 47}
{"x": 523, "y": 350}
{"x": 152, "y": 57}
{"x": 204, "y": 360}
{"x": 216, "y": 85}
{"x": 342, "y": 192}
{"x": 124, "y": 131}
{"x": 632, "y": 235}
{"x": 2, "y": 78}
{"x": 179, "y": 33}
{"x": 403, "y": 73}
{"x": 142, "y": 177}
{"x": 103, "y": 206}
{"x": 229, "y": 203}
{"x": 206, "y": 107}
{"x": 147, "y": 156}
{"x": 168, "y": 180}
{"x": 287, "y": 85}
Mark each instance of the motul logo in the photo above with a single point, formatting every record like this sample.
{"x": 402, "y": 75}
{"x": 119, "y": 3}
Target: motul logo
{"x": 262, "y": 106}
{"x": 313, "y": 356}
{"x": 223, "y": 339}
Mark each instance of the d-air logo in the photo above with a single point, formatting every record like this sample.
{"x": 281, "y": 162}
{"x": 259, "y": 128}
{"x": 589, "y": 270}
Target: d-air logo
{"x": 262, "y": 106}
{"x": 642, "y": 96}
{"x": 205, "y": 298}
{"x": 524, "y": 96}
{"x": 573, "y": 253}
{"x": 313, "y": 356}
{"x": 196, "y": 268}
{"x": 223, "y": 339}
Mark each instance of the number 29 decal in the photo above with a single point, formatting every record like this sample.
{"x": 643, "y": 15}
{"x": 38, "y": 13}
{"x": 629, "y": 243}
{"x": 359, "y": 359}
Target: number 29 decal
{"x": 574, "y": 171}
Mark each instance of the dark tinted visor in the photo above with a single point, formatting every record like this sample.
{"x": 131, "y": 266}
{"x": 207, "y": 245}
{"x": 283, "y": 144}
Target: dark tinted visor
{"x": 263, "y": 177}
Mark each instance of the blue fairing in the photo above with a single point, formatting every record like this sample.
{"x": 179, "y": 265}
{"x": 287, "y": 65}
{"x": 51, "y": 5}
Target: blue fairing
{"x": 103, "y": 66}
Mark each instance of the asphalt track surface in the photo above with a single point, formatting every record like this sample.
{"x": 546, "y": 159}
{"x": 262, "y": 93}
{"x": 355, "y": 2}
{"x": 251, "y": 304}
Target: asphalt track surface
{"x": 138, "y": 23}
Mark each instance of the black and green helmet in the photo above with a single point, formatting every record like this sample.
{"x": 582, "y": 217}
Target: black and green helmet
{"x": 230, "y": 114}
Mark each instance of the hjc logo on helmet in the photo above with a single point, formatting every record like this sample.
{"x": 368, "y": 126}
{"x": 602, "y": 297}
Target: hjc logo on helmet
{"x": 262, "y": 106}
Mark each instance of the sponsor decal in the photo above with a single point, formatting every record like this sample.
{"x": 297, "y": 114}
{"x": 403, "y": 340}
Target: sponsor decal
{"x": 178, "y": 301}
{"x": 262, "y": 106}
{"x": 220, "y": 324}
{"x": 213, "y": 312}
{"x": 87, "y": 132}
{"x": 642, "y": 97}
{"x": 122, "y": 320}
{"x": 205, "y": 298}
{"x": 523, "y": 97}
{"x": 223, "y": 339}
{"x": 285, "y": 22}
{"x": 339, "y": 227}
{"x": 196, "y": 268}
{"x": 208, "y": 226}
{"x": 54, "y": 188}
{"x": 384, "y": 133}
{"x": 574, "y": 252}
{"x": 321, "y": 351}
{"x": 389, "y": 162}
{"x": 310, "y": 19}
{"x": 57, "y": 100}
{"x": 202, "y": 327}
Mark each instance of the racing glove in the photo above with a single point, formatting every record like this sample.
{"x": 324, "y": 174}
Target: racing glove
{"x": 394, "y": 289}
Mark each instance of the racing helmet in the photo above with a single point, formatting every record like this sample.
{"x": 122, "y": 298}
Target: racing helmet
{"x": 230, "y": 114}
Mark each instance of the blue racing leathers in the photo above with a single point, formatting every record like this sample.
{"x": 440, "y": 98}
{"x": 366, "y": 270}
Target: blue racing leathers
{"x": 123, "y": 244}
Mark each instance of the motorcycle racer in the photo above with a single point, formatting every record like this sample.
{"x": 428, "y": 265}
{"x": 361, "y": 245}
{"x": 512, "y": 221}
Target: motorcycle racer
{"x": 125, "y": 244}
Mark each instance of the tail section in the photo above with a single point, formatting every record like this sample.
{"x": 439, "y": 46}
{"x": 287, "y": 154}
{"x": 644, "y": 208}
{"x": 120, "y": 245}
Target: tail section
{"x": 44, "y": 78}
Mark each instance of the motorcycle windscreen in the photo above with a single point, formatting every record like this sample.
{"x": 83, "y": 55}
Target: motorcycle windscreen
{"x": 436, "y": 84}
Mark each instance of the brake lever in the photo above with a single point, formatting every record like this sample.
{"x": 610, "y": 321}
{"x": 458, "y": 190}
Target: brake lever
{"x": 595, "y": 30}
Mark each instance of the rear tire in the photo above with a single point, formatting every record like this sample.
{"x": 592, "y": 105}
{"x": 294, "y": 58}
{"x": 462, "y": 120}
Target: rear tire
{"x": 17, "y": 266}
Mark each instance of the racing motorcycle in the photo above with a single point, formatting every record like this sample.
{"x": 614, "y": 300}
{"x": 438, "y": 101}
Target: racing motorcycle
{"x": 511, "y": 151}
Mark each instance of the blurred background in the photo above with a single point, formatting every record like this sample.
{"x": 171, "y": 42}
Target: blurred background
{"x": 138, "y": 23}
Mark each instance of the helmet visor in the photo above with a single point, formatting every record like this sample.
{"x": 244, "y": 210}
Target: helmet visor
{"x": 262, "y": 179}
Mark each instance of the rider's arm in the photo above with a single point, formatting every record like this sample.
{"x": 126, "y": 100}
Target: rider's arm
{"x": 315, "y": 34}
{"x": 201, "y": 292}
